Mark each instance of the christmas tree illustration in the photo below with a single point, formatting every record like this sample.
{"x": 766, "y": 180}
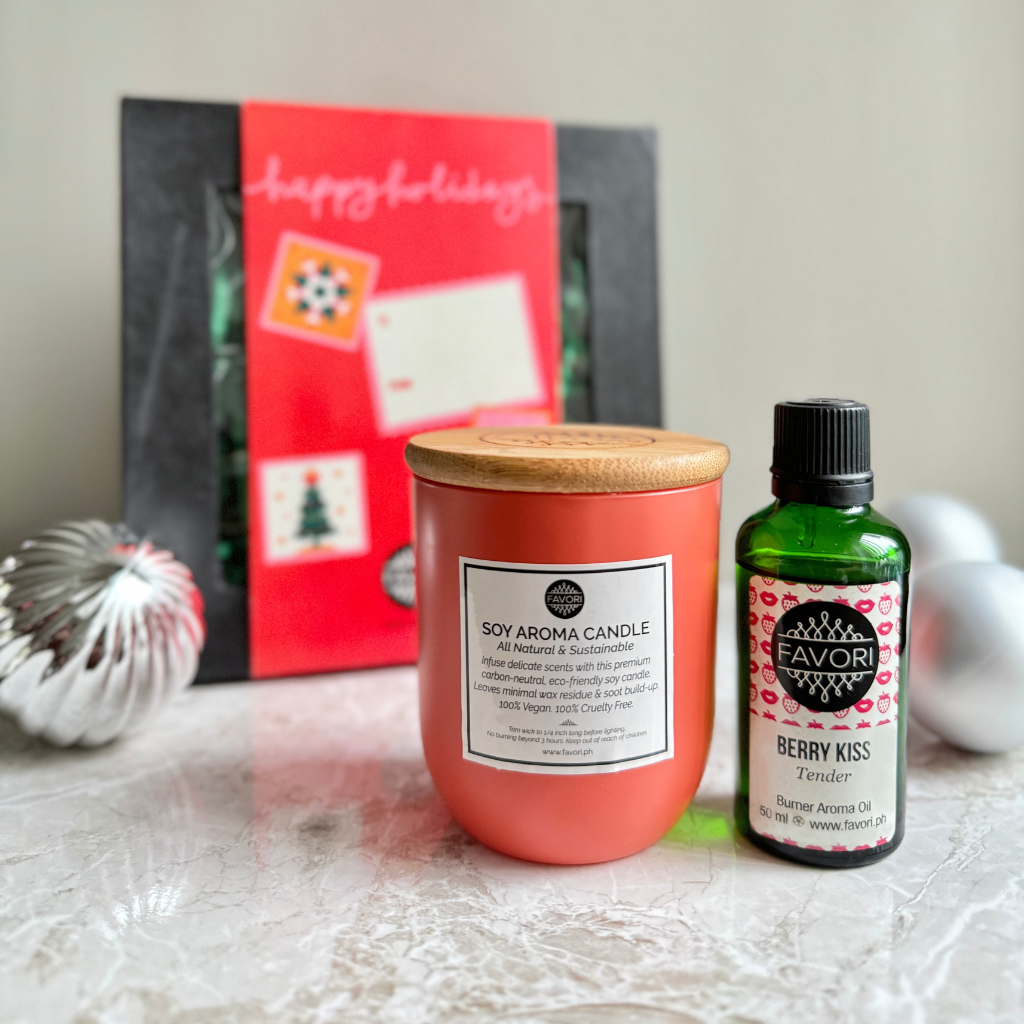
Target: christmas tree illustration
{"x": 314, "y": 515}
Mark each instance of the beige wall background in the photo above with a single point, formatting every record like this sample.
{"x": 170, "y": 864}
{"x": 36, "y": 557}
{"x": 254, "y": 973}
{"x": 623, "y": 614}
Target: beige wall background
{"x": 841, "y": 204}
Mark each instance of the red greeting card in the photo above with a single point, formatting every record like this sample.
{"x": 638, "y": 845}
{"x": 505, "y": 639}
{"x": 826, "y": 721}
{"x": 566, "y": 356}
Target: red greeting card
{"x": 401, "y": 275}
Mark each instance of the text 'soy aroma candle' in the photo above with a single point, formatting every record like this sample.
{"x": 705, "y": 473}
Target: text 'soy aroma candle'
{"x": 566, "y": 585}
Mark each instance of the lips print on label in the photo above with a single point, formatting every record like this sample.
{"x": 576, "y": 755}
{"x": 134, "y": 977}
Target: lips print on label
{"x": 885, "y": 604}
{"x": 753, "y": 667}
{"x": 885, "y": 628}
{"x": 766, "y": 646}
{"x": 753, "y": 618}
{"x": 842, "y": 653}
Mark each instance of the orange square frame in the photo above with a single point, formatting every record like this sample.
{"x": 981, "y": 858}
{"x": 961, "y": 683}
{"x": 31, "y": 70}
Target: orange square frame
{"x": 295, "y": 257}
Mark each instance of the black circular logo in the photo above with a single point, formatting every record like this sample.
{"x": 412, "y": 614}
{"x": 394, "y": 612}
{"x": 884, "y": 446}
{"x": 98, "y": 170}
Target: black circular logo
{"x": 564, "y": 599}
{"x": 825, "y": 655}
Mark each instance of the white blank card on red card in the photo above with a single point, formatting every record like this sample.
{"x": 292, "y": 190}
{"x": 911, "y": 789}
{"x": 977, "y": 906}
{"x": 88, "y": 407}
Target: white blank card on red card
{"x": 438, "y": 353}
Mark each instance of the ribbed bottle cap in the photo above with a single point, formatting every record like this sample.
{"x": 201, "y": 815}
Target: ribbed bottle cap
{"x": 822, "y": 452}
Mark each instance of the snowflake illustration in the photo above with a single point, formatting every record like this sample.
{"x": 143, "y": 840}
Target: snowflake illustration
{"x": 320, "y": 292}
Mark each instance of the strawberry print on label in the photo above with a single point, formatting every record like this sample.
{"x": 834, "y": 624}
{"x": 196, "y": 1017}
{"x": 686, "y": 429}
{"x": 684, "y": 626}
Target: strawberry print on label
{"x": 823, "y": 774}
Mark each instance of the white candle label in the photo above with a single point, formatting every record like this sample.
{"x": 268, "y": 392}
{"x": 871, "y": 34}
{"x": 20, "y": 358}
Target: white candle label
{"x": 823, "y": 698}
{"x": 567, "y": 669}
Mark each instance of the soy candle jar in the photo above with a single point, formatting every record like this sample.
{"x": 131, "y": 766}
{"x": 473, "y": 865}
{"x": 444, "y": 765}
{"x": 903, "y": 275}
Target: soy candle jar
{"x": 566, "y": 589}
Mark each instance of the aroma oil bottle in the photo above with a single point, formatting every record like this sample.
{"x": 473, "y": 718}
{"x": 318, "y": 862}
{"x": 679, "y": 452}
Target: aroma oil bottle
{"x": 821, "y": 624}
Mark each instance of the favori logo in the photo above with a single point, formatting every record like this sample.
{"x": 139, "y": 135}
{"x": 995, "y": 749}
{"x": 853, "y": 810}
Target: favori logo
{"x": 825, "y": 654}
{"x": 564, "y": 599}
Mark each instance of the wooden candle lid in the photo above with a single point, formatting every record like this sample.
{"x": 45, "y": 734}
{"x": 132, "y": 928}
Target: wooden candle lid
{"x": 571, "y": 458}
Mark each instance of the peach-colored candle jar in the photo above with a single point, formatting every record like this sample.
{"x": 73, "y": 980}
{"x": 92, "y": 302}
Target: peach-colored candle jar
{"x": 566, "y": 586}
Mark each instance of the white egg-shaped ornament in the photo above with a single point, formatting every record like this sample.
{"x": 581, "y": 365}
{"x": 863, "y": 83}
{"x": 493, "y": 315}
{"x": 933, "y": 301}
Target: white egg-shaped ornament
{"x": 97, "y": 631}
{"x": 967, "y": 654}
{"x": 942, "y": 529}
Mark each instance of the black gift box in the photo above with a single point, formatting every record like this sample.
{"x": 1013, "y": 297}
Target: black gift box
{"x": 172, "y": 156}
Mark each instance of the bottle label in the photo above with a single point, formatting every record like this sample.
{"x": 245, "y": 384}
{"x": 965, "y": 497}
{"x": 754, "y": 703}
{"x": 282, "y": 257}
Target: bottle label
{"x": 824, "y": 682}
{"x": 567, "y": 669}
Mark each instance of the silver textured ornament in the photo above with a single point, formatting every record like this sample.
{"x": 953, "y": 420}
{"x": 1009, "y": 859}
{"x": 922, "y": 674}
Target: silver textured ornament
{"x": 97, "y": 631}
{"x": 967, "y": 654}
{"x": 942, "y": 529}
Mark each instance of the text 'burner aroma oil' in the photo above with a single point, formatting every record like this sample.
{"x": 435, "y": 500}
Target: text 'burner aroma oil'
{"x": 822, "y": 590}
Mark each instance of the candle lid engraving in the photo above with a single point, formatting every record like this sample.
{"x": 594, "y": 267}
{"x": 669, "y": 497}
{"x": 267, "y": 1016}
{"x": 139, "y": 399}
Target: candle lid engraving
{"x": 567, "y": 439}
{"x": 567, "y": 458}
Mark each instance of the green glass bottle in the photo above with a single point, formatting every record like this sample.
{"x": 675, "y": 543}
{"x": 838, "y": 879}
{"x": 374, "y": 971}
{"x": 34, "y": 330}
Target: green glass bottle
{"x": 821, "y": 585}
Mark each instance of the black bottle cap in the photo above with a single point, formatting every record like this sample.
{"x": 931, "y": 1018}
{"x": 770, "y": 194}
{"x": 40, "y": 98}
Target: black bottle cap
{"x": 822, "y": 452}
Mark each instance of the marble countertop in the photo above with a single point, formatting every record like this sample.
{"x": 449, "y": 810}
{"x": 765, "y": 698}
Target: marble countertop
{"x": 277, "y": 852}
